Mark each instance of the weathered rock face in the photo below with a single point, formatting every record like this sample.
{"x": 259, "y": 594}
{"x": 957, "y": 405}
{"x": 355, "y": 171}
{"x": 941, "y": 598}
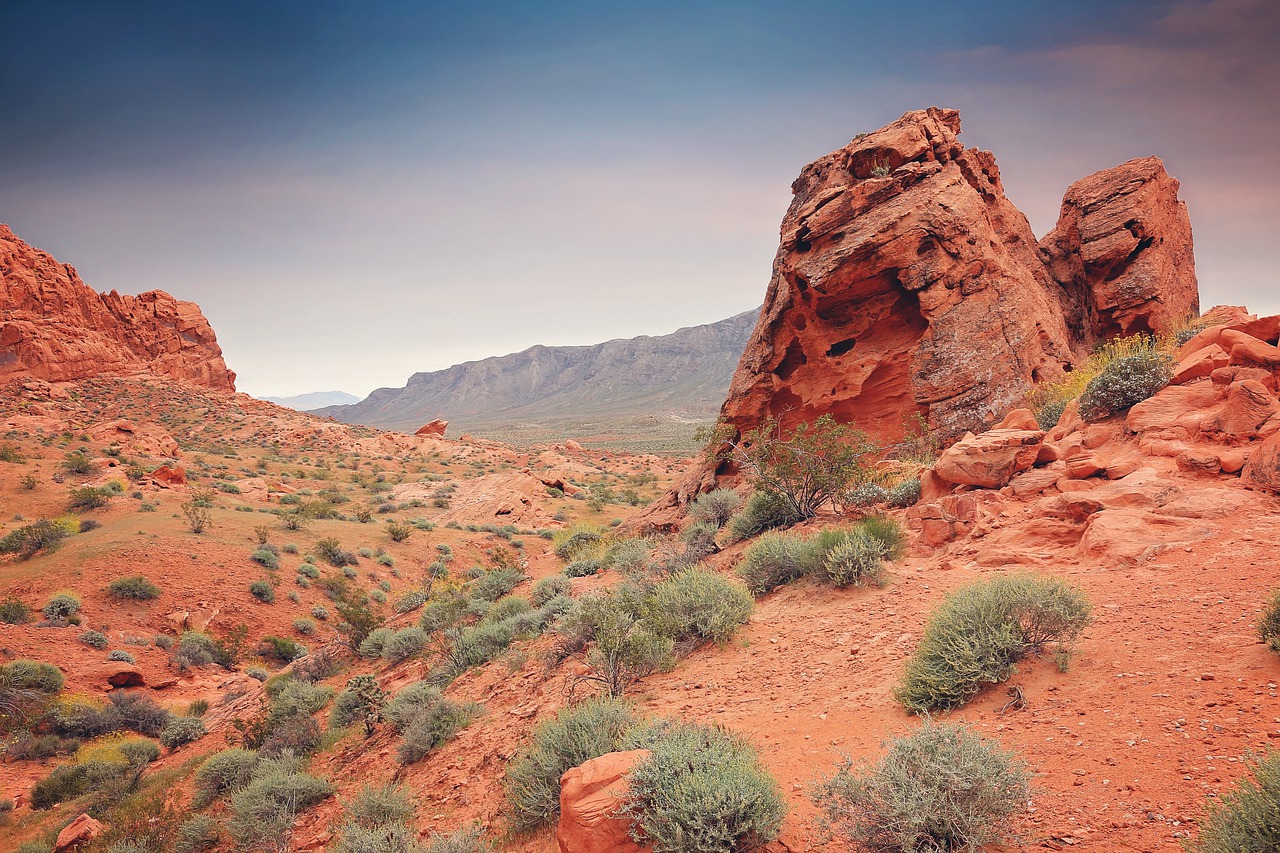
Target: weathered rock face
{"x": 906, "y": 282}
{"x": 1122, "y": 252}
{"x": 590, "y": 796}
{"x": 54, "y": 327}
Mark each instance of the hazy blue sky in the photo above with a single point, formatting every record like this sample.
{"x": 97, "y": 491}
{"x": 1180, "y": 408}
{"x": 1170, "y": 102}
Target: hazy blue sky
{"x": 355, "y": 191}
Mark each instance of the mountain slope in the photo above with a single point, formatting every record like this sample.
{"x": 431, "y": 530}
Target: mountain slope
{"x": 314, "y": 400}
{"x": 580, "y": 390}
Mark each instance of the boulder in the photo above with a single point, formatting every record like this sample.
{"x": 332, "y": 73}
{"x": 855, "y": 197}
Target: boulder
{"x": 989, "y": 460}
{"x": 169, "y": 475}
{"x": 590, "y": 796}
{"x": 435, "y": 427}
{"x": 78, "y": 834}
{"x": 1263, "y": 468}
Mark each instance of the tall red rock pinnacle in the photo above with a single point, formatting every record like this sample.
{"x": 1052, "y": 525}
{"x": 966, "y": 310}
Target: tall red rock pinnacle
{"x": 54, "y": 327}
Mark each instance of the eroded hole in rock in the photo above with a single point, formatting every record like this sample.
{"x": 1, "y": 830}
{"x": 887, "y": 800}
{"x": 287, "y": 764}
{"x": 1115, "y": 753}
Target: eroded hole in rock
{"x": 792, "y": 361}
{"x": 801, "y": 284}
{"x": 802, "y": 240}
{"x": 839, "y": 348}
{"x": 1118, "y": 269}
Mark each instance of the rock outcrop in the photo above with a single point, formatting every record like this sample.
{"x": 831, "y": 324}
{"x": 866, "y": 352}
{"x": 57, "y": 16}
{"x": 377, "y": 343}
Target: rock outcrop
{"x": 1122, "y": 252}
{"x": 590, "y": 796}
{"x": 906, "y": 282}
{"x": 54, "y": 327}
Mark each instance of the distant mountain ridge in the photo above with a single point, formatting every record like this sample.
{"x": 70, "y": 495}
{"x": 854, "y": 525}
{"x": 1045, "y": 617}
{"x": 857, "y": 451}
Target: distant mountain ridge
{"x": 314, "y": 400}
{"x": 570, "y": 391}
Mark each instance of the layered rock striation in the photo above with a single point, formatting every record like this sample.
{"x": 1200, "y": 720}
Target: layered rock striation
{"x": 906, "y": 282}
{"x": 54, "y": 327}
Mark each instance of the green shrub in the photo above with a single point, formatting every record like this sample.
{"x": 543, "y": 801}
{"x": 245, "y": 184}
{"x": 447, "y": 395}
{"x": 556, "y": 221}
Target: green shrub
{"x": 362, "y": 699}
{"x": 411, "y": 601}
{"x": 496, "y": 583}
{"x": 304, "y": 626}
{"x": 196, "y": 833}
{"x": 583, "y": 568}
{"x": 1244, "y": 819}
{"x": 716, "y": 506}
{"x": 942, "y": 788}
{"x": 373, "y": 807}
{"x": 14, "y": 612}
{"x": 904, "y": 494}
{"x": 223, "y": 771}
{"x": 31, "y": 539}
{"x": 195, "y": 649}
{"x": 263, "y": 812}
{"x": 701, "y": 790}
{"x": 135, "y": 711}
{"x": 376, "y": 642}
{"x": 309, "y": 571}
{"x": 574, "y": 735}
{"x": 699, "y": 605}
{"x": 182, "y": 730}
{"x": 95, "y": 639}
{"x": 432, "y": 726}
{"x": 62, "y": 606}
{"x": 282, "y": 649}
{"x": 762, "y": 511}
{"x": 24, "y": 674}
{"x": 773, "y": 560}
{"x": 583, "y": 543}
{"x": 981, "y": 630}
{"x": 266, "y": 558}
{"x": 625, "y": 646}
{"x": 263, "y": 591}
{"x": 121, "y": 656}
{"x": 411, "y": 700}
{"x": 549, "y": 588}
{"x": 888, "y": 531}
{"x": 851, "y": 557}
{"x": 88, "y": 497}
{"x": 404, "y": 644}
{"x": 469, "y": 839}
{"x": 865, "y": 495}
{"x": 1269, "y": 624}
{"x": 1126, "y": 380}
{"x": 331, "y": 550}
{"x": 135, "y": 587}
{"x": 77, "y": 463}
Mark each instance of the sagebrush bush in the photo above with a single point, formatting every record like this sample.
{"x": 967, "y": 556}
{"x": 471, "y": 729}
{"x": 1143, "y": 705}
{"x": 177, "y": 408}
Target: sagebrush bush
{"x": 865, "y": 495}
{"x": 773, "y": 560}
{"x": 584, "y": 568}
{"x": 223, "y": 771}
{"x": 432, "y": 726}
{"x": 196, "y": 833}
{"x": 14, "y": 612}
{"x": 283, "y": 649}
{"x": 62, "y": 606}
{"x": 716, "y": 506}
{"x": 263, "y": 591}
{"x": 265, "y": 558}
{"x": 409, "y": 701}
{"x": 469, "y": 839}
{"x": 1245, "y": 818}
{"x": 850, "y": 557}
{"x": 31, "y": 539}
{"x": 95, "y": 639}
{"x": 24, "y": 674}
{"x": 700, "y": 605}
{"x": 121, "y": 656}
{"x": 1269, "y": 623}
{"x": 1126, "y": 380}
{"x": 404, "y": 644}
{"x": 496, "y": 583}
{"x": 550, "y": 587}
{"x": 411, "y": 601}
{"x": 942, "y": 788}
{"x": 380, "y": 805}
{"x": 762, "y": 511}
{"x": 905, "y": 493}
{"x": 134, "y": 587}
{"x": 263, "y": 812}
{"x": 701, "y": 790}
{"x": 979, "y": 632}
{"x": 182, "y": 730}
{"x": 574, "y": 735}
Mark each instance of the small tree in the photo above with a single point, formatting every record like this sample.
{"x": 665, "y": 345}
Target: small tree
{"x": 198, "y": 510}
{"x": 816, "y": 463}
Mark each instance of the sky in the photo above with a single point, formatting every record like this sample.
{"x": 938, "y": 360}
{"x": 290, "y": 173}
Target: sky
{"x": 357, "y": 191}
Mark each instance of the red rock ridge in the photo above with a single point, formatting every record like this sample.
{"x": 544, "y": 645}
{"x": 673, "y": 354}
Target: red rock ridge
{"x": 56, "y": 328}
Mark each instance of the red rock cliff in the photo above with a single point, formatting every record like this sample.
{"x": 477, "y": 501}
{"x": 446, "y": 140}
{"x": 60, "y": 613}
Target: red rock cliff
{"x": 54, "y": 327}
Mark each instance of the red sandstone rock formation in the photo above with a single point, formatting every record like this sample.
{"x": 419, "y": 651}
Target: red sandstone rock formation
{"x": 906, "y": 282}
{"x": 435, "y": 427}
{"x": 1122, "y": 252}
{"x": 54, "y": 327}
